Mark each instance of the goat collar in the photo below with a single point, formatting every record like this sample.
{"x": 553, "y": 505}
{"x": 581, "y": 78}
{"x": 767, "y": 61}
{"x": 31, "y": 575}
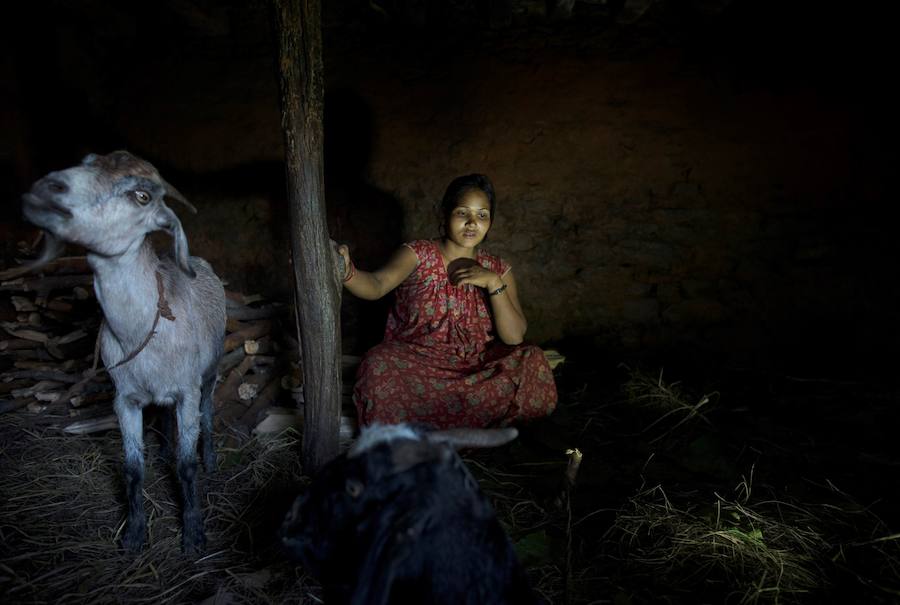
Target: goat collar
{"x": 162, "y": 310}
{"x": 162, "y": 305}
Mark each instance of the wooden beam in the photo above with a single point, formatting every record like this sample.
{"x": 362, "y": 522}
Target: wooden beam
{"x": 316, "y": 288}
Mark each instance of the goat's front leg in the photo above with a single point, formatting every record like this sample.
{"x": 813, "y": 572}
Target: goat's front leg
{"x": 131, "y": 423}
{"x": 193, "y": 538}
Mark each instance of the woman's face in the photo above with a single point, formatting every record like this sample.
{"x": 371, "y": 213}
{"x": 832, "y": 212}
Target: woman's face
{"x": 470, "y": 221}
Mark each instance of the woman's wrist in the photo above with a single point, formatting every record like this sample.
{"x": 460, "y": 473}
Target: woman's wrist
{"x": 494, "y": 284}
{"x": 497, "y": 291}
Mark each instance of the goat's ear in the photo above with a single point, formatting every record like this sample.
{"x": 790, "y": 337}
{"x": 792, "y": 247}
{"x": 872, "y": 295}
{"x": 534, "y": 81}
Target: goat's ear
{"x": 168, "y": 222}
{"x": 385, "y": 560}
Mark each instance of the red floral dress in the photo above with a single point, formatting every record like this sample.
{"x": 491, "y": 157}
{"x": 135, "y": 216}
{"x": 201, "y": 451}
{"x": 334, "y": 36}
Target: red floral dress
{"x": 439, "y": 364}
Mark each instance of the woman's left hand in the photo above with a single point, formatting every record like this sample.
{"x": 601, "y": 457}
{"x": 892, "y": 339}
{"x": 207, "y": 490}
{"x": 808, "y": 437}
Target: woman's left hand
{"x": 476, "y": 275}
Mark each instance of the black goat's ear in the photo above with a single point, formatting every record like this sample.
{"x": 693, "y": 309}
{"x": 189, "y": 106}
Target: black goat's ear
{"x": 168, "y": 222}
{"x": 386, "y": 559}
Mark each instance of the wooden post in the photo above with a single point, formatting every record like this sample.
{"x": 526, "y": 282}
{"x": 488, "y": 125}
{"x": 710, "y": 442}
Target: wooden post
{"x": 316, "y": 288}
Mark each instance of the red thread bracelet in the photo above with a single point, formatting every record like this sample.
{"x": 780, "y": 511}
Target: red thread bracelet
{"x": 351, "y": 273}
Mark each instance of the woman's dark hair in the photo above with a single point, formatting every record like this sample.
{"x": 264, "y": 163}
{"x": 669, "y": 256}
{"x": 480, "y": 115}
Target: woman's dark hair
{"x": 461, "y": 185}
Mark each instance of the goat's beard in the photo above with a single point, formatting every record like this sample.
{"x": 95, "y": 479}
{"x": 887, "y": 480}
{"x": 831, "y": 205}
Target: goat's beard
{"x": 51, "y": 249}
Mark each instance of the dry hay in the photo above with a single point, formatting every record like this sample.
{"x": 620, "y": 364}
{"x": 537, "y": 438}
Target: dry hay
{"x": 62, "y": 511}
{"x": 668, "y": 400}
{"x": 526, "y": 521}
{"x": 735, "y": 551}
{"x": 543, "y": 528}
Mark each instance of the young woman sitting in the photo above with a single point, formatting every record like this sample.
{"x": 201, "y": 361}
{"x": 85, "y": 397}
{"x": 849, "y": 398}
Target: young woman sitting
{"x": 452, "y": 354}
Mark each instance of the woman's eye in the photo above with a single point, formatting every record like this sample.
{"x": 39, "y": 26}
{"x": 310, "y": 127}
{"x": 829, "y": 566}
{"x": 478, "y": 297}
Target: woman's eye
{"x": 141, "y": 196}
{"x": 484, "y": 216}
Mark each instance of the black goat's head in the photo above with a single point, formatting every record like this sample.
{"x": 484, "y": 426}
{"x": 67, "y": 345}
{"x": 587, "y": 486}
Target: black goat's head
{"x": 362, "y": 523}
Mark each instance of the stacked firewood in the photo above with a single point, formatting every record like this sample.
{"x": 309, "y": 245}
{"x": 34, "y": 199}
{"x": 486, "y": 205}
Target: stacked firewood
{"x": 47, "y": 325}
{"x": 260, "y": 367}
{"x": 48, "y": 347}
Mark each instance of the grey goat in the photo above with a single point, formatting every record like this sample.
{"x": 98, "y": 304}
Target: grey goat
{"x": 164, "y": 318}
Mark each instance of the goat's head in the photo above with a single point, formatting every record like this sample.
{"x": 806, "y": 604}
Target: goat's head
{"x": 107, "y": 204}
{"x": 374, "y": 492}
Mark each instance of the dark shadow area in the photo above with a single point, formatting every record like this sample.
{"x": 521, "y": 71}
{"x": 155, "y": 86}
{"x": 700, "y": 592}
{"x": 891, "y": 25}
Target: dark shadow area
{"x": 39, "y": 133}
{"x": 782, "y": 413}
{"x": 243, "y": 225}
{"x": 676, "y": 457}
{"x": 51, "y": 122}
{"x": 370, "y": 221}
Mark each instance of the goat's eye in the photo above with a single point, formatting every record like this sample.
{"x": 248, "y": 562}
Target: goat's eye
{"x": 353, "y": 488}
{"x": 142, "y": 197}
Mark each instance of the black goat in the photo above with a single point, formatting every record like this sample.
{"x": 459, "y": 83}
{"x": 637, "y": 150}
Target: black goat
{"x": 399, "y": 519}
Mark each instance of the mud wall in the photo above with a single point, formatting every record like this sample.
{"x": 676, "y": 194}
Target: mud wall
{"x": 652, "y": 196}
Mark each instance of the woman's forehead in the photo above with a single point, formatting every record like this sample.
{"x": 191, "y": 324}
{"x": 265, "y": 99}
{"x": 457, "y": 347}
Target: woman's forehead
{"x": 474, "y": 200}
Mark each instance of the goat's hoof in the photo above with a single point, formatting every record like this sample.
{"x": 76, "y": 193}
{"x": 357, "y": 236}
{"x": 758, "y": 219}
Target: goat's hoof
{"x": 134, "y": 539}
{"x": 193, "y": 541}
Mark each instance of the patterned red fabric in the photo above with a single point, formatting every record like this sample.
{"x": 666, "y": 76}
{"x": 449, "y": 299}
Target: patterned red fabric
{"x": 439, "y": 364}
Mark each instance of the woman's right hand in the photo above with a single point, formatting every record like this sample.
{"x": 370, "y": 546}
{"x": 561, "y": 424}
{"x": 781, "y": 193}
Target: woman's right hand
{"x": 372, "y": 285}
{"x": 344, "y": 251}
